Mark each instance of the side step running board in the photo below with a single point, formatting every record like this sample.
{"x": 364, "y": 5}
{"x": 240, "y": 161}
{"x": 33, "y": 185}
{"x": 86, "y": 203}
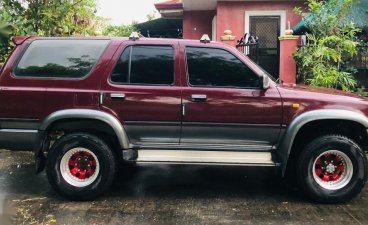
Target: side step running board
{"x": 206, "y": 157}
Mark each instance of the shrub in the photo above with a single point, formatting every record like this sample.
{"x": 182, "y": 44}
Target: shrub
{"x": 324, "y": 61}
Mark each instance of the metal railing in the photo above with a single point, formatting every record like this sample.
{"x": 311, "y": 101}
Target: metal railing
{"x": 249, "y": 46}
{"x": 251, "y": 50}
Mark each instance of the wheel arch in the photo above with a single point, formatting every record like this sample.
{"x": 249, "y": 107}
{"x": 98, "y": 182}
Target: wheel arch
{"x": 72, "y": 115}
{"x": 288, "y": 139}
{"x": 87, "y": 114}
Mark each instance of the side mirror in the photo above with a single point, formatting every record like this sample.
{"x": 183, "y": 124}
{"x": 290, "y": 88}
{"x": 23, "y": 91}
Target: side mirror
{"x": 264, "y": 81}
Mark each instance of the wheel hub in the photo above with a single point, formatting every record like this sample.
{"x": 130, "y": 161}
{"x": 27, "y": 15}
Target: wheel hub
{"x": 79, "y": 167}
{"x": 329, "y": 167}
{"x": 332, "y": 169}
{"x": 82, "y": 165}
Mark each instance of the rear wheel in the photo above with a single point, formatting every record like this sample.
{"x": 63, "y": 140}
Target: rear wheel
{"x": 332, "y": 169}
{"x": 80, "y": 166}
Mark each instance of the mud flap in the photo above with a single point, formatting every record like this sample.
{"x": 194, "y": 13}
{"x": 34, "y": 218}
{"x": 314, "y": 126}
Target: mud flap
{"x": 41, "y": 146}
{"x": 40, "y": 161}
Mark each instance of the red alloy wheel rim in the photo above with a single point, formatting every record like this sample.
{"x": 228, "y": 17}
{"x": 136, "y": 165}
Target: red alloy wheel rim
{"x": 329, "y": 167}
{"x": 82, "y": 165}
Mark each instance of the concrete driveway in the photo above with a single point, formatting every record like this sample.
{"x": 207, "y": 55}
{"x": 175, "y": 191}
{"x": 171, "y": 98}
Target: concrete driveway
{"x": 168, "y": 195}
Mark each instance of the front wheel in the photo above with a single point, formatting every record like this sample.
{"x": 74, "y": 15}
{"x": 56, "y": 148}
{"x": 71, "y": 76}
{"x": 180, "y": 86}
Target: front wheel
{"x": 332, "y": 169}
{"x": 80, "y": 166}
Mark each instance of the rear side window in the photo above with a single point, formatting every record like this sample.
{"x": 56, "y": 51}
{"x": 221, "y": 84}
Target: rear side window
{"x": 212, "y": 67}
{"x": 151, "y": 65}
{"x": 60, "y": 58}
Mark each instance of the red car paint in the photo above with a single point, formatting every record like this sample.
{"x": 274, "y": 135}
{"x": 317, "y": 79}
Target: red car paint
{"x": 37, "y": 98}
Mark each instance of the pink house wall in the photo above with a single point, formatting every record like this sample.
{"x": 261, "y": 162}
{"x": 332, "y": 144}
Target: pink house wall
{"x": 231, "y": 15}
{"x": 197, "y": 23}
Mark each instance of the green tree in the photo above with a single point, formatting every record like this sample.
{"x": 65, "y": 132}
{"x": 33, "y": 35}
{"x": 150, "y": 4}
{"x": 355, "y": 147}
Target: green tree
{"x": 324, "y": 61}
{"x": 119, "y": 30}
{"x": 152, "y": 15}
{"x": 6, "y": 31}
{"x": 51, "y": 18}
{"x": 47, "y": 18}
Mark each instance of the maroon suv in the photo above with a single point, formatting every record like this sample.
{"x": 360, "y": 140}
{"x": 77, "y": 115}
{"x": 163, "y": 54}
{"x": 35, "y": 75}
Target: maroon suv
{"x": 88, "y": 103}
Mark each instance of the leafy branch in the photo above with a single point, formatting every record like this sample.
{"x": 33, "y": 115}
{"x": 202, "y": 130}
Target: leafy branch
{"x": 324, "y": 61}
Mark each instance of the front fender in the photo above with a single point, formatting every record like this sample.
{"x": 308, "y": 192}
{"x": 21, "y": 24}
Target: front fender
{"x": 287, "y": 140}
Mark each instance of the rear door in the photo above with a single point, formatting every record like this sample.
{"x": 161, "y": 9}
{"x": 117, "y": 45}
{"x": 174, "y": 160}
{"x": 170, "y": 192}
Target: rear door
{"x": 143, "y": 91}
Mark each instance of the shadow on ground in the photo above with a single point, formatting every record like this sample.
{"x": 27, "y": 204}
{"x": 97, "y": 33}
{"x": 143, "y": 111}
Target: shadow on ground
{"x": 160, "y": 194}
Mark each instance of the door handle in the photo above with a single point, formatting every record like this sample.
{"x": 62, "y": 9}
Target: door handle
{"x": 117, "y": 96}
{"x": 199, "y": 98}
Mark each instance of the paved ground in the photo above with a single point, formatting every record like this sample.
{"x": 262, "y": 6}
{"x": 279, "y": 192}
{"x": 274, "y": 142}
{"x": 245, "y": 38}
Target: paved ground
{"x": 168, "y": 195}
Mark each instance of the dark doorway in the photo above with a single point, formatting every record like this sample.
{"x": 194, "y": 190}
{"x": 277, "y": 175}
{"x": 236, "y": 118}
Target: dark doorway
{"x": 267, "y": 29}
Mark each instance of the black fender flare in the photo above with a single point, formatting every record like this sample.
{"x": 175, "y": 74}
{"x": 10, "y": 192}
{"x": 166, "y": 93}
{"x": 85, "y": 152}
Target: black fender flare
{"x": 287, "y": 140}
{"x": 110, "y": 120}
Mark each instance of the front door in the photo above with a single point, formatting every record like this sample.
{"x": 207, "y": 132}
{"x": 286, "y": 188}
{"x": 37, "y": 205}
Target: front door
{"x": 224, "y": 106}
{"x": 267, "y": 29}
{"x": 143, "y": 93}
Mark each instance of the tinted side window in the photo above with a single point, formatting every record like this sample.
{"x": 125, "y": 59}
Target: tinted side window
{"x": 219, "y": 68}
{"x": 60, "y": 58}
{"x": 145, "y": 65}
{"x": 121, "y": 70}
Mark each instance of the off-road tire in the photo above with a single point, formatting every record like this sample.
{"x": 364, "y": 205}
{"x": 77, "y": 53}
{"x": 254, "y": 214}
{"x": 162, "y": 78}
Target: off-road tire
{"x": 93, "y": 146}
{"x": 348, "y": 163}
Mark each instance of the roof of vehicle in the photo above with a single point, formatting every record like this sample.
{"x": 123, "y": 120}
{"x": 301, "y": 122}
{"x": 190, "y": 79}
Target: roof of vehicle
{"x": 144, "y": 40}
{"x": 21, "y": 39}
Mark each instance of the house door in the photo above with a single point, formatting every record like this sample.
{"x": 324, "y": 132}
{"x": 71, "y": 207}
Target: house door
{"x": 267, "y": 29}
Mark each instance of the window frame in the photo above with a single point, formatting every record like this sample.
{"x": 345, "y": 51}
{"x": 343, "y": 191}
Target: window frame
{"x": 222, "y": 87}
{"x": 130, "y": 63}
{"x": 14, "y": 75}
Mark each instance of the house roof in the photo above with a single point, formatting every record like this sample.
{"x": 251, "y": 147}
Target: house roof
{"x": 194, "y": 5}
{"x": 170, "y": 4}
{"x": 358, "y": 14}
{"x": 170, "y": 8}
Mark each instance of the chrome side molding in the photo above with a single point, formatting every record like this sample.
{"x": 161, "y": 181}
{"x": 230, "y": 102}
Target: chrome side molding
{"x": 206, "y": 157}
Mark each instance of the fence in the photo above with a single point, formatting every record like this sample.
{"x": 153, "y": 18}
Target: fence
{"x": 249, "y": 46}
{"x": 251, "y": 50}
